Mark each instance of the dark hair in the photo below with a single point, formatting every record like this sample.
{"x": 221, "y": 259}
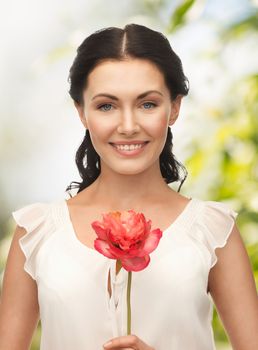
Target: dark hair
{"x": 136, "y": 41}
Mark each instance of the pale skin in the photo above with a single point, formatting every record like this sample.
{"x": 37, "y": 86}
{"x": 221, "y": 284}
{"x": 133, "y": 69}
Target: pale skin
{"x": 231, "y": 282}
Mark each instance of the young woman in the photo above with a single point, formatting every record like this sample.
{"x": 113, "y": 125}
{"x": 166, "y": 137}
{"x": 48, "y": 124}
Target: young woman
{"x": 127, "y": 86}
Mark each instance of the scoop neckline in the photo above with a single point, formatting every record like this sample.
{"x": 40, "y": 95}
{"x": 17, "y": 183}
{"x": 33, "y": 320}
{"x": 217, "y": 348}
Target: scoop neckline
{"x": 67, "y": 217}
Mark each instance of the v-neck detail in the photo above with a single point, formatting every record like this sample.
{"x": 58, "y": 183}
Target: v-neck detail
{"x": 65, "y": 215}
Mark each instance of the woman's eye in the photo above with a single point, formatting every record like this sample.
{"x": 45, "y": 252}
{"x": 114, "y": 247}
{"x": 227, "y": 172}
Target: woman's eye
{"x": 149, "y": 105}
{"x": 108, "y": 106}
{"x": 105, "y": 107}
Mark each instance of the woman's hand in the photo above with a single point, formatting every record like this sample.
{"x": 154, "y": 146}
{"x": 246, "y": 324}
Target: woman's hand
{"x": 127, "y": 342}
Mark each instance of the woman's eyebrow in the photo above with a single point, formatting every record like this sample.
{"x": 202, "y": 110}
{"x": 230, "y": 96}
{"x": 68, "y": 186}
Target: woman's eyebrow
{"x": 138, "y": 97}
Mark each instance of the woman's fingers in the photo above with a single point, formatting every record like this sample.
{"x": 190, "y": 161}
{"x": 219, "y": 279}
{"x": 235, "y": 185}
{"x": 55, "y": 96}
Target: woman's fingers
{"x": 127, "y": 342}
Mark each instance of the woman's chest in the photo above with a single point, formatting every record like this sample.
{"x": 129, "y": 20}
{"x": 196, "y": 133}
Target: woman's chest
{"x": 160, "y": 216}
{"x": 176, "y": 265}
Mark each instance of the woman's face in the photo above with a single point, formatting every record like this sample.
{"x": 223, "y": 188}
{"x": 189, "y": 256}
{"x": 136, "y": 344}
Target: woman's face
{"x": 126, "y": 101}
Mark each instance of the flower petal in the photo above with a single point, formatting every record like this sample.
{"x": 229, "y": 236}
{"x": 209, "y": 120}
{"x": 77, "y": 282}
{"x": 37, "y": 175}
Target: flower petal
{"x": 100, "y": 229}
{"x": 118, "y": 253}
{"x": 151, "y": 241}
{"x": 136, "y": 264}
{"x": 103, "y": 248}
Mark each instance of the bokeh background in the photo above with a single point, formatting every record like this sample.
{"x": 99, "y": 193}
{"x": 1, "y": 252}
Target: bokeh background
{"x": 215, "y": 137}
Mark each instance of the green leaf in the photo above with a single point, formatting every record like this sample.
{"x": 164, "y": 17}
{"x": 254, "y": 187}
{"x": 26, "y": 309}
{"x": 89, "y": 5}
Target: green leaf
{"x": 178, "y": 17}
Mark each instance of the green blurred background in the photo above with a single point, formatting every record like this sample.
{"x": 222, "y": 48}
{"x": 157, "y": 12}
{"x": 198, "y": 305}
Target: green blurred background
{"x": 216, "y": 135}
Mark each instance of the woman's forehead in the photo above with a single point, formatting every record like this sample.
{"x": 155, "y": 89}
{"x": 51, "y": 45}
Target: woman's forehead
{"x": 137, "y": 74}
{"x": 112, "y": 66}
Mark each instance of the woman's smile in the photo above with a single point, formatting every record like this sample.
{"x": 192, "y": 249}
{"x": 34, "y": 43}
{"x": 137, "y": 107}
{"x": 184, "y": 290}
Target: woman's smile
{"x": 129, "y": 150}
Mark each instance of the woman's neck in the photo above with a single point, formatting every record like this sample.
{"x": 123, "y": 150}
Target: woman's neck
{"x": 128, "y": 191}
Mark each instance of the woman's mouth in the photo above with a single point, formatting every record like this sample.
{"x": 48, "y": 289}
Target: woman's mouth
{"x": 132, "y": 149}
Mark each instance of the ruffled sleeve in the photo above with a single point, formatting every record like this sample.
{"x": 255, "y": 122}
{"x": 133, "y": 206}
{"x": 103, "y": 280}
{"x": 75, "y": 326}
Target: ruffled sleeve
{"x": 214, "y": 225}
{"x": 33, "y": 218}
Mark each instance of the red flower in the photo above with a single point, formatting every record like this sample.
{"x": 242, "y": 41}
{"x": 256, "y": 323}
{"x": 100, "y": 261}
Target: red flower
{"x": 126, "y": 236}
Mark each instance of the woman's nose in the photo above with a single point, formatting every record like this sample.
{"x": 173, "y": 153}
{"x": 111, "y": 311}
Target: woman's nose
{"x": 128, "y": 123}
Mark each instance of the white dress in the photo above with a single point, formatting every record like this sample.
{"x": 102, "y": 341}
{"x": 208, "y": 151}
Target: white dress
{"x": 170, "y": 307}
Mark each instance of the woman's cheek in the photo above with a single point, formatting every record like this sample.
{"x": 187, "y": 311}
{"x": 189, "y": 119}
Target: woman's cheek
{"x": 98, "y": 126}
{"x": 163, "y": 123}
{"x": 159, "y": 125}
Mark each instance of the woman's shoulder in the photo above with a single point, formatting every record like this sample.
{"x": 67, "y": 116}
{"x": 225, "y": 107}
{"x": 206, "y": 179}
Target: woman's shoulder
{"x": 212, "y": 225}
{"x": 203, "y": 210}
{"x": 213, "y": 210}
{"x": 23, "y": 215}
{"x": 31, "y": 214}
{"x": 39, "y": 221}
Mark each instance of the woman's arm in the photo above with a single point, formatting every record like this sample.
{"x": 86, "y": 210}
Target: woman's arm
{"x": 232, "y": 287}
{"x": 19, "y": 310}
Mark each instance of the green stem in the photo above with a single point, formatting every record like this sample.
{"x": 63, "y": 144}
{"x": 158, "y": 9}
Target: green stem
{"x": 128, "y": 302}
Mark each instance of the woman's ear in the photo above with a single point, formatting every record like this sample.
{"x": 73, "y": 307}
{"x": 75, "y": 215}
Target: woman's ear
{"x": 175, "y": 108}
{"x": 81, "y": 113}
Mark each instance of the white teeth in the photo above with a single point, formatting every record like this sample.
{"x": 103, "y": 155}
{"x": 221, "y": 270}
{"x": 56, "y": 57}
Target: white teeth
{"x": 128, "y": 147}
